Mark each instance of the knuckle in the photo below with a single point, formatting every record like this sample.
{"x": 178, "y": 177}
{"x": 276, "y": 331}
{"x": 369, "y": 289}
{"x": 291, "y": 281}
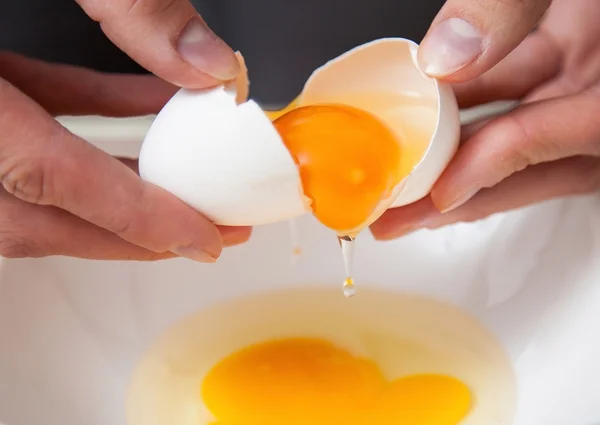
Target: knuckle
{"x": 13, "y": 247}
{"x": 128, "y": 221}
{"x": 26, "y": 180}
{"x": 14, "y": 242}
{"x": 19, "y": 230}
{"x": 121, "y": 225}
{"x": 515, "y": 138}
{"x": 525, "y": 146}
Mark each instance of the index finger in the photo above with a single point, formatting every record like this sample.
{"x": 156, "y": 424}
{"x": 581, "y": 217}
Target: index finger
{"x": 47, "y": 165}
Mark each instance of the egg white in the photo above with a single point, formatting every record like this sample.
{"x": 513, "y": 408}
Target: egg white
{"x": 404, "y": 335}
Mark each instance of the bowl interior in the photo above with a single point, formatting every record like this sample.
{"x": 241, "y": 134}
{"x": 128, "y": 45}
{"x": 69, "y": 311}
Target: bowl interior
{"x": 71, "y": 331}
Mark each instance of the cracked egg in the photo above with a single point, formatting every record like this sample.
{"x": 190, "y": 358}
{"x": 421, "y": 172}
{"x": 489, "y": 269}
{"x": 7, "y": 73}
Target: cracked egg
{"x": 368, "y": 132}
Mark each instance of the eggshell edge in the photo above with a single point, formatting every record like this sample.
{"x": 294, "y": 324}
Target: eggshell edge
{"x": 212, "y": 196}
{"x": 442, "y": 146}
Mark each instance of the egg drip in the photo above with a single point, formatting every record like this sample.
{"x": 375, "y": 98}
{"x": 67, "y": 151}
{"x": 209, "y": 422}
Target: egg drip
{"x": 349, "y": 162}
{"x": 300, "y": 381}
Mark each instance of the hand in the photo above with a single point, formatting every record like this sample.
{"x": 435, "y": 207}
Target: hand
{"x": 63, "y": 196}
{"x": 469, "y": 37}
{"x": 548, "y": 147}
{"x": 168, "y": 38}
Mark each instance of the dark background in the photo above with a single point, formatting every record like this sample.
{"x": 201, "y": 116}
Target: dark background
{"x": 281, "y": 40}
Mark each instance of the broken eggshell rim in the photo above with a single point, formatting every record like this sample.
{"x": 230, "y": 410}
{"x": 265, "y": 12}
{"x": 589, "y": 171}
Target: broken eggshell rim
{"x": 446, "y": 103}
{"x": 443, "y": 91}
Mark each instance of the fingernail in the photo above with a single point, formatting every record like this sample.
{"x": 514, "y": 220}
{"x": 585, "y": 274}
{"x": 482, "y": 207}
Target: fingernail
{"x": 458, "y": 202}
{"x": 194, "y": 253}
{"x": 451, "y": 45}
{"x": 200, "y": 46}
{"x": 235, "y": 235}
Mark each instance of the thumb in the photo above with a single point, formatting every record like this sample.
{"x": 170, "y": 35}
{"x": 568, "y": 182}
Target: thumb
{"x": 468, "y": 37}
{"x": 167, "y": 37}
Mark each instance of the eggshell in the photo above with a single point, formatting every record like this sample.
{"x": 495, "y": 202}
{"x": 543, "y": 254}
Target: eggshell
{"x": 229, "y": 163}
{"x": 389, "y": 67}
{"x": 241, "y": 84}
{"x": 223, "y": 159}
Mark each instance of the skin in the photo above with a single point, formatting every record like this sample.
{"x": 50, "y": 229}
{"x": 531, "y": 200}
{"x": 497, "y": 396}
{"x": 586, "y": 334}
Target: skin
{"x": 62, "y": 196}
{"x": 548, "y": 147}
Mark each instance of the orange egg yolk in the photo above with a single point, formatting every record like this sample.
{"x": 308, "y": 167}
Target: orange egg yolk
{"x": 313, "y": 382}
{"x": 349, "y": 161}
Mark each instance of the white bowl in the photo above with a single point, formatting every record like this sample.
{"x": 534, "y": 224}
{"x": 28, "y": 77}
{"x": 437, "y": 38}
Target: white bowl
{"x": 72, "y": 331}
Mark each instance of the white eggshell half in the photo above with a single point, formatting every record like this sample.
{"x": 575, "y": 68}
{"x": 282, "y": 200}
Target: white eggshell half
{"x": 228, "y": 162}
{"x": 225, "y": 160}
{"x": 374, "y": 77}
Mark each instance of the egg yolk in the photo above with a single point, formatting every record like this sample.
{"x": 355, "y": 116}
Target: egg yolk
{"x": 349, "y": 161}
{"x": 313, "y": 382}
{"x": 422, "y": 400}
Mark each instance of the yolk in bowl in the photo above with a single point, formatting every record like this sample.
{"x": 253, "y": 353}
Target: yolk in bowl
{"x": 304, "y": 381}
{"x": 349, "y": 161}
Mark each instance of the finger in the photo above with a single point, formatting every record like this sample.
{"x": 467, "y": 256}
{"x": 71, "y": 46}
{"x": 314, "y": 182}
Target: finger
{"x": 167, "y": 37}
{"x": 28, "y": 230}
{"x": 45, "y": 164}
{"x": 537, "y": 60}
{"x": 469, "y": 37}
{"x": 231, "y": 236}
{"x": 531, "y": 134}
{"x": 553, "y": 89}
{"x": 132, "y": 164}
{"x": 468, "y": 131}
{"x": 559, "y": 87}
{"x": 567, "y": 177}
{"x": 71, "y": 90}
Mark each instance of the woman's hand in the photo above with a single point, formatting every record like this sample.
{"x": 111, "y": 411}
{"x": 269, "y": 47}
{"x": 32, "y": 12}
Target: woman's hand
{"x": 548, "y": 147}
{"x": 63, "y": 196}
{"x": 168, "y": 38}
{"x": 469, "y": 37}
